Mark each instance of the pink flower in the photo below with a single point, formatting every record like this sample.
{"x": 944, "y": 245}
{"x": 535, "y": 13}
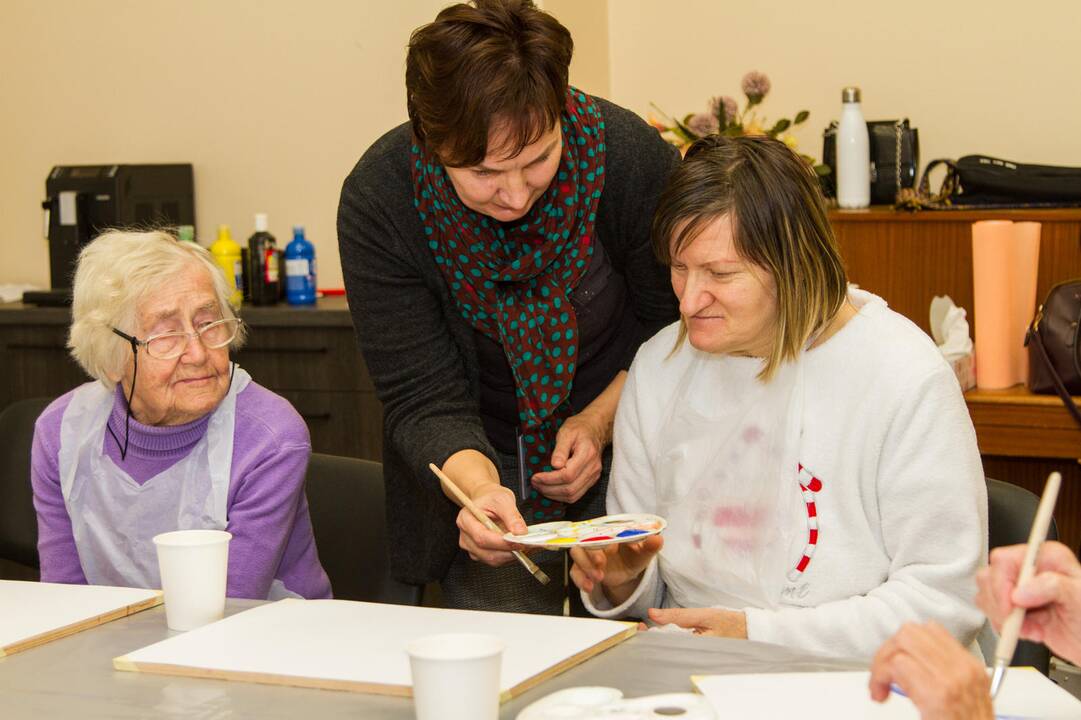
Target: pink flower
{"x": 731, "y": 107}
{"x": 703, "y": 124}
{"x": 755, "y": 86}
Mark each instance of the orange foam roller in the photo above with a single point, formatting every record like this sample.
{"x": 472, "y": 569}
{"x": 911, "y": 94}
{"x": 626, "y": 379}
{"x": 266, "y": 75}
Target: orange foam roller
{"x": 1005, "y": 257}
{"x": 1026, "y": 261}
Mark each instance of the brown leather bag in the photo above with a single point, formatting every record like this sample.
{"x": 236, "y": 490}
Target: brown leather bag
{"x": 1054, "y": 350}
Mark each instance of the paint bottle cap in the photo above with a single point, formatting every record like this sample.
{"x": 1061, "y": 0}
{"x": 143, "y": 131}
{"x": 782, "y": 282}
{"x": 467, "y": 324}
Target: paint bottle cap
{"x": 260, "y": 222}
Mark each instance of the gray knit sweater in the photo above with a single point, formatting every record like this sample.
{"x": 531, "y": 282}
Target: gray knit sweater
{"x": 421, "y": 354}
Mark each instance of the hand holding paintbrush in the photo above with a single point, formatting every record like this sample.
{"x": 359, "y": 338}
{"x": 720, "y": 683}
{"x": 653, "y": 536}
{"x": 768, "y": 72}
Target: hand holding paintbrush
{"x": 1011, "y": 627}
{"x": 483, "y": 518}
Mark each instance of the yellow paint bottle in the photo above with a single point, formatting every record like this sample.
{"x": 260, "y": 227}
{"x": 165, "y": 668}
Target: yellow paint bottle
{"x": 226, "y": 253}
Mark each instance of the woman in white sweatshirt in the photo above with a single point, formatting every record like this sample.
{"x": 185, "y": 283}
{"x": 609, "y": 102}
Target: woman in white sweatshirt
{"x": 809, "y": 447}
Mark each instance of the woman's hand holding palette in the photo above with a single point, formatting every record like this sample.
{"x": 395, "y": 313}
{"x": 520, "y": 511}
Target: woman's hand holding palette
{"x": 605, "y": 530}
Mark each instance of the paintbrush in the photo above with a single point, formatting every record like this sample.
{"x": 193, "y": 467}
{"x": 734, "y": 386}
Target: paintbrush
{"x": 483, "y": 518}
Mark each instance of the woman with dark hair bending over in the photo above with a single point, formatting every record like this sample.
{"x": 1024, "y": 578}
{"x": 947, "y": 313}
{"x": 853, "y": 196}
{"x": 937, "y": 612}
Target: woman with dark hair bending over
{"x": 499, "y": 272}
{"x": 809, "y": 447}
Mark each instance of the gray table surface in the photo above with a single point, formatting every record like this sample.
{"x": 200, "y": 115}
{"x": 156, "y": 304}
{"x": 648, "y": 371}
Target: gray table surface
{"x": 74, "y": 677}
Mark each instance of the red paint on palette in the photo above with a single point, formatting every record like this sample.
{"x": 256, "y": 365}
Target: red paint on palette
{"x": 595, "y": 538}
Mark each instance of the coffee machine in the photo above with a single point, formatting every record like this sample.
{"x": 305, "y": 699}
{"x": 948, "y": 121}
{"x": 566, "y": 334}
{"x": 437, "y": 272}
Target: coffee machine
{"x": 81, "y": 201}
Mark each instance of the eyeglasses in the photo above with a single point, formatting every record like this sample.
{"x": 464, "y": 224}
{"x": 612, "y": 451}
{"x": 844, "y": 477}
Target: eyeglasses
{"x": 167, "y": 346}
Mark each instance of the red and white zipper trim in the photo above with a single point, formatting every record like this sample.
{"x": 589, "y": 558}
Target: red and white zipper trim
{"x": 808, "y": 485}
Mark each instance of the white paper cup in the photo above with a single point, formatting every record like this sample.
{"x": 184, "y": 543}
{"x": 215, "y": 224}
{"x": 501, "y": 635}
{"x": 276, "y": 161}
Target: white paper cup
{"x": 194, "y": 565}
{"x": 456, "y": 676}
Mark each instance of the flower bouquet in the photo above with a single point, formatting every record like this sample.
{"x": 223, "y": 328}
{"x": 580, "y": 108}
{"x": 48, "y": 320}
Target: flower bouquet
{"x": 723, "y": 116}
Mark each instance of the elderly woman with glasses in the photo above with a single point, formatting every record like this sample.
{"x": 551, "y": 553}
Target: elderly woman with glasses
{"x": 171, "y": 435}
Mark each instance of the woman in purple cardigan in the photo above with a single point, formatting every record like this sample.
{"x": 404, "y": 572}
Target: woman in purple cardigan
{"x": 171, "y": 435}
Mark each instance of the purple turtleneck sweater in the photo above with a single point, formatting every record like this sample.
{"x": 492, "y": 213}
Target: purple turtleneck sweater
{"x": 266, "y": 508}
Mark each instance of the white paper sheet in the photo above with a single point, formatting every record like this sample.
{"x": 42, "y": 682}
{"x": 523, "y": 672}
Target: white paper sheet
{"x": 354, "y": 642}
{"x": 829, "y": 695}
{"x": 32, "y": 609}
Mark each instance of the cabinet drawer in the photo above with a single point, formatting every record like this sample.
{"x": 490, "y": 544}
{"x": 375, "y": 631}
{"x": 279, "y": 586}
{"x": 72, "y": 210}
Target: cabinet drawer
{"x": 341, "y": 423}
{"x": 313, "y": 358}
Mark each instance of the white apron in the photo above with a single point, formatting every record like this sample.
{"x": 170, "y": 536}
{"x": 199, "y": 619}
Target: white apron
{"x": 113, "y": 518}
{"x": 727, "y": 482}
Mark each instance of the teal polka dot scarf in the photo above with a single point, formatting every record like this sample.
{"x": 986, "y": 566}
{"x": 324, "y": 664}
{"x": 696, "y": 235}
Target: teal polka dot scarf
{"x": 512, "y": 281}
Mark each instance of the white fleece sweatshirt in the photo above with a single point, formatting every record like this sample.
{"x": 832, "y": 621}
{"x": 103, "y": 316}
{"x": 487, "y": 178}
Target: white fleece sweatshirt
{"x": 901, "y": 501}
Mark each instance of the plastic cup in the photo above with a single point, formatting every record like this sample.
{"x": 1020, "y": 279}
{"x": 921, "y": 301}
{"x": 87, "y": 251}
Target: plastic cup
{"x": 456, "y": 676}
{"x": 193, "y": 565}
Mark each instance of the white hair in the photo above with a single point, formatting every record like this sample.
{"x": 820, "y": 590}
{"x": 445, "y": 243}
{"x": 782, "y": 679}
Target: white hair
{"x": 115, "y": 273}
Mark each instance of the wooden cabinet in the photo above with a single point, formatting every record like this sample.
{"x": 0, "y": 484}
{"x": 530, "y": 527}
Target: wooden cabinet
{"x": 307, "y": 355}
{"x": 34, "y": 361}
{"x": 908, "y": 258}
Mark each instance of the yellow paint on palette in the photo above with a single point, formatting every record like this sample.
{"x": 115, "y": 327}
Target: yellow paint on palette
{"x": 561, "y": 541}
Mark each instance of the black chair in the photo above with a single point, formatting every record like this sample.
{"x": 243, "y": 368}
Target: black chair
{"x": 346, "y": 499}
{"x": 1010, "y": 512}
{"x": 18, "y": 520}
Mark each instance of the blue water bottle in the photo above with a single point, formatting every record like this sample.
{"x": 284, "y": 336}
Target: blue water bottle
{"x": 299, "y": 270}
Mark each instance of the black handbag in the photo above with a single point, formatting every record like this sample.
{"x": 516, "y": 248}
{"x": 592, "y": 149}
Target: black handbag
{"x": 1054, "y": 354}
{"x": 895, "y": 158}
{"x": 985, "y": 182}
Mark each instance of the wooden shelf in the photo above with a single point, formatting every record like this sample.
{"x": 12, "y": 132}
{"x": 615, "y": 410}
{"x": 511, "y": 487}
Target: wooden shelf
{"x": 886, "y": 213}
{"x": 1016, "y": 395}
{"x": 1016, "y": 423}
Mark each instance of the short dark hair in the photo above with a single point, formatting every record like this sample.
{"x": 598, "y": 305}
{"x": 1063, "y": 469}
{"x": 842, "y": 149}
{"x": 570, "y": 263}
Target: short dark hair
{"x": 490, "y": 61}
{"x": 779, "y": 223}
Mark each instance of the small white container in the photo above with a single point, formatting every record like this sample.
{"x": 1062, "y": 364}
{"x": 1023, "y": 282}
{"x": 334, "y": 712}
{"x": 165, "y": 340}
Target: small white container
{"x": 456, "y": 676}
{"x": 194, "y": 566}
{"x": 853, "y": 153}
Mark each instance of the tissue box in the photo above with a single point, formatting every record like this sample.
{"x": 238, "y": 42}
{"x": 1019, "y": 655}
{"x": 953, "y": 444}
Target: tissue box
{"x": 964, "y": 368}
{"x": 949, "y": 329}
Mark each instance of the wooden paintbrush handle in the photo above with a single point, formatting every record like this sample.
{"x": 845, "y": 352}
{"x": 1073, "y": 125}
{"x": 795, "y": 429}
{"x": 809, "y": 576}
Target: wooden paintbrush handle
{"x": 464, "y": 500}
{"x": 486, "y": 521}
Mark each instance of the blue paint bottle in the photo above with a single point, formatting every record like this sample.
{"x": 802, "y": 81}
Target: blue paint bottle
{"x": 299, "y": 270}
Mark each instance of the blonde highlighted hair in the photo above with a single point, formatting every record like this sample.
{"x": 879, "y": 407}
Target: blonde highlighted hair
{"x": 778, "y": 221}
{"x": 115, "y": 273}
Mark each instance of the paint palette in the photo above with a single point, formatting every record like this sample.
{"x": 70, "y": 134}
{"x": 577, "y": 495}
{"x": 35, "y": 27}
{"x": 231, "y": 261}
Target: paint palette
{"x": 605, "y": 530}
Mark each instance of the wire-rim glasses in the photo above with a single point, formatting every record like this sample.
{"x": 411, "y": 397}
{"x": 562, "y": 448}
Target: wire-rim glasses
{"x": 170, "y": 345}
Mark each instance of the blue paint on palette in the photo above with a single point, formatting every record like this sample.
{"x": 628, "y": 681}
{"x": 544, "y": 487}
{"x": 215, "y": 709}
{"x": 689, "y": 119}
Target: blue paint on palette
{"x": 628, "y": 533}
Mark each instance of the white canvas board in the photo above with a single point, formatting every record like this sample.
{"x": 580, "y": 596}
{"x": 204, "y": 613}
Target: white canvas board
{"x": 30, "y": 610}
{"x": 361, "y": 646}
{"x": 1025, "y": 693}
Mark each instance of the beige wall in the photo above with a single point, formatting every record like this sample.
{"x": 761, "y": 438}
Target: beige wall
{"x": 994, "y": 77}
{"x": 274, "y": 100}
{"x": 587, "y": 20}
